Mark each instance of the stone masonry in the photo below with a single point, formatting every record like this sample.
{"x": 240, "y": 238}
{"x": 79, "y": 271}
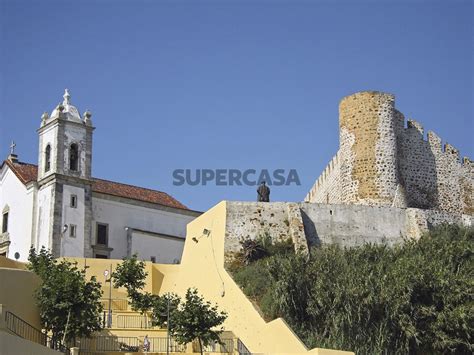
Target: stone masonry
{"x": 312, "y": 224}
{"x": 381, "y": 162}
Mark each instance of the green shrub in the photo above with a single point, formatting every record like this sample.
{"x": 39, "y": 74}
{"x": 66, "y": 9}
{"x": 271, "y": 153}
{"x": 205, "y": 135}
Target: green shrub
{"x": 415, "y": 298}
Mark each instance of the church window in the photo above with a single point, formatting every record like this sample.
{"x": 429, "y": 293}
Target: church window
{"x": 72, "y": 230}
{"x": 102, "y": 233}
{"x": 73, "y": 201}
{"x": 47, "y": 158}
{"x": 5, "y": 222}
{"x": 73, "y": 157}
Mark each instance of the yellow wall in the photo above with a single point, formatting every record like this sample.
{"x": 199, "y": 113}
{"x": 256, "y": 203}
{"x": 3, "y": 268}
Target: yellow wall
{"x": 202, "y": 267}
{"x": 17, "y": 289}
{"x": 13, "y": 264}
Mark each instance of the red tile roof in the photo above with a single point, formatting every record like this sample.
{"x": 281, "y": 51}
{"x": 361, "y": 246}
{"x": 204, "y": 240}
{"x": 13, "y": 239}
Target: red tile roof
{"x": 29, "y": 172}
{"x": 25, "y": 172}
{"x": 135, "y": 192}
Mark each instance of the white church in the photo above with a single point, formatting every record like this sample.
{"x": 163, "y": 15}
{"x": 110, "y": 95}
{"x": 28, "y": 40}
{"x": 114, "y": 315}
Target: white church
{"x": 59, "y": 205}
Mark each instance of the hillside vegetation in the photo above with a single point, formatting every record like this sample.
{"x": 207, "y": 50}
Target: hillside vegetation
{"x": 415, "y": 298}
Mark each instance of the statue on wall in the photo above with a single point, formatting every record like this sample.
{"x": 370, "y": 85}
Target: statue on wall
{"x": 263, "y": 193}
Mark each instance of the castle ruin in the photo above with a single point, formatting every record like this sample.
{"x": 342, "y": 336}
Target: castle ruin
{"x": 381, "y": 162}
{"x": 385, "y": 183}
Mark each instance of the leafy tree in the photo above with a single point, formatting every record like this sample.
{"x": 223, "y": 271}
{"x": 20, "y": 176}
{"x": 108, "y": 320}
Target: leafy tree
{"x": 69, "y": 305}
{"x": 197, "y": 319}
{"x": 131, "y": 275}
{"x": 189, "y": 320}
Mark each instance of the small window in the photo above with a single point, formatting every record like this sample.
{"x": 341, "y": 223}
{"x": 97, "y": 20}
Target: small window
{"x": 101, "y": 256}
{"x": 73, "y": 157}
{"x": 153, "y": 259}
{"x": 47, "y": 158}
{"x": 73, "y": 201}
{"x": 72, "y": 230}
{"x": 102, "y": 233}
{"x": 5, "y": 222}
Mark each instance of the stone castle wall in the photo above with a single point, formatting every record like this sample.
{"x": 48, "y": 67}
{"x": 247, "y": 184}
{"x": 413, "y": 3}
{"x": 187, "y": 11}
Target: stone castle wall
{"x": 434, "y": 176}
{"x": 381, "y": 162}
{"x": 310, "y": 224}
{"x": 328, "y": 186}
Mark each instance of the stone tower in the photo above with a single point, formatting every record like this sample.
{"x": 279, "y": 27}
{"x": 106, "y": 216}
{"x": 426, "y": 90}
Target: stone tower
{"x": 64, "y": 204}
{"x": 368, "y": 124}
{"x": 382, "y": 162}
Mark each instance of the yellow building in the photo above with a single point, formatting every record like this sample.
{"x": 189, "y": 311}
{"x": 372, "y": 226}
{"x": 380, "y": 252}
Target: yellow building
{"x": 202, "y": 267}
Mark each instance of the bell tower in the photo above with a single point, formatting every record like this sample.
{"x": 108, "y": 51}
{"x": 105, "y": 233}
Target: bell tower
{"x": 64, "y": 201}
{"x": 65, "y": 142}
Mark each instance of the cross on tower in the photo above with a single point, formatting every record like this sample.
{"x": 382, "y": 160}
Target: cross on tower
{"x": 12, "y": 147}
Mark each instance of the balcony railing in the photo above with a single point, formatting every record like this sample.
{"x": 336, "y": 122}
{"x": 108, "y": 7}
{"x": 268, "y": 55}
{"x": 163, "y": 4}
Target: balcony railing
{"x": 132, "y": 321}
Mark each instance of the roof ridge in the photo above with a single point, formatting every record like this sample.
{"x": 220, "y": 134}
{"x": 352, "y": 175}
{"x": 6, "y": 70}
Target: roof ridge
{"x": 121, "y": 183}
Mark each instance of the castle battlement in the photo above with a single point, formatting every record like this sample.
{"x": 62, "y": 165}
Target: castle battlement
{"x": 412, "y": 124}
{"x": 326, "y": 175}
{"x": 382, "y": 162}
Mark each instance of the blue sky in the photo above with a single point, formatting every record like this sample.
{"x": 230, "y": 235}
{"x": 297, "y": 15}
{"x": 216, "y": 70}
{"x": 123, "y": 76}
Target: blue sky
{"x": 229, "y": 84}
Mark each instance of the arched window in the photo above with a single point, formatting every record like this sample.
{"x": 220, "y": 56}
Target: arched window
{"x": 47, "y": 158}
{"x": 73, "y": 157}
{"x": 5, "y": 213}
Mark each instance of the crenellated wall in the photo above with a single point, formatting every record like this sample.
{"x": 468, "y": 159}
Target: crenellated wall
{"x": 433, "y": 175}
{"x": 381, "y": 162}
{"x": 328, "y": 186}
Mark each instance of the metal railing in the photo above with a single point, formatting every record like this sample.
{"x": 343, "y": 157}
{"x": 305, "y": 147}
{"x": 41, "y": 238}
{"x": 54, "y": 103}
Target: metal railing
{"x": 26, "y": 331}
{"x": 159, "y": 344}
{"x": 226, "y": 346}
{"x": 132, "y": 344}
{"x": 109, "y": 343}
{"x": 133, "y": 321}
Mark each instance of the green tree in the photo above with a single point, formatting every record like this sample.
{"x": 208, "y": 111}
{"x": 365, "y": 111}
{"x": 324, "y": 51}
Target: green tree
{"x": 189, "y": 320}
{"x": 197, "y": 319}
{"x": 69, "y": 305}
{"x": 131, "y": 275}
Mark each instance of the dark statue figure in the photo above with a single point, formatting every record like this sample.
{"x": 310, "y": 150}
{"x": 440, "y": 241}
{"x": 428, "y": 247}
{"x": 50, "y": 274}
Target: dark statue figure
{"x": 263, "y": 193}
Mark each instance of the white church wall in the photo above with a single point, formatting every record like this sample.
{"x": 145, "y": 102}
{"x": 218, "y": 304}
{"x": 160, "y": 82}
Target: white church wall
{"x": 19, "y": 200}
{"x": 165, "y": 250}
{"x": 73, "y": 245}
{"x": 44, "y": 215}
{"x": 119, "y": 215}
